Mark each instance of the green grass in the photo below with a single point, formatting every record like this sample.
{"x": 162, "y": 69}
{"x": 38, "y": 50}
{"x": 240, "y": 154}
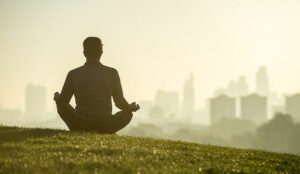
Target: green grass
{"x": 56, "y": 151}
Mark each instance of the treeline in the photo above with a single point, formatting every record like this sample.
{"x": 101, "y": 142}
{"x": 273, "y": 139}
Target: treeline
{"x": 280, "y": 134}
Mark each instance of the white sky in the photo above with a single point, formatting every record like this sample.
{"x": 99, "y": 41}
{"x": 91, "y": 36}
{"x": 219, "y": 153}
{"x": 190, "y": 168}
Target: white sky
{"x": 150, "y": 42}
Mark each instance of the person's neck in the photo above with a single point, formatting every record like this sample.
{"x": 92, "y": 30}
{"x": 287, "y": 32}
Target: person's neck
{"x": 93, "y": 61}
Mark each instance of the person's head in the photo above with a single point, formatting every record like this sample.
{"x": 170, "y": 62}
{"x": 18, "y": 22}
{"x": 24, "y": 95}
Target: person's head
{"x": 92, "y": 48}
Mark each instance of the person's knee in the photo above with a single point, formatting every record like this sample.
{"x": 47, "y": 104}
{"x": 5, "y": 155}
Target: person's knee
{"x": 119, "y": 121}
{"x": 124, "y": 114}
{"x": 128, "y": 115}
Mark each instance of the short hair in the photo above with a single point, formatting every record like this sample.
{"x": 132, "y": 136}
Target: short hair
{"x": 92, "y": 43}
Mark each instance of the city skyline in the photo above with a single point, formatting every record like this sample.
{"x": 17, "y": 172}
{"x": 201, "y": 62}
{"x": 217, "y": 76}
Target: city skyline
{"x": 240, "y": 87}
{"x": 216, "y": 40}
{"x": 234, "y": 101}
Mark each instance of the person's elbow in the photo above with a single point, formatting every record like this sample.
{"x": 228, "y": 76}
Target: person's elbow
{"x": 122, "y": 106}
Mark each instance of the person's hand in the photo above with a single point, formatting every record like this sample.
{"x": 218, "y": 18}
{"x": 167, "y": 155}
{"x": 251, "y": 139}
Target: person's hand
{"x": 56, "y": 96}
{"x": 134, "y": 107}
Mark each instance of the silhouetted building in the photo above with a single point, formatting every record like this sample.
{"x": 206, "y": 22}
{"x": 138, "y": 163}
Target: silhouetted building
{"x": 168, "y": 101}
{"x": 222, "y": 106}
{"x": 293, "y": 106}
{"x": 262, "y": 82}
{"x": 188, "y": 103}
{"x": 35, "y": 102}
{"x": 235, "y": 88}
{"x": 242, "y": 86}
{"x": 254, "y": 108}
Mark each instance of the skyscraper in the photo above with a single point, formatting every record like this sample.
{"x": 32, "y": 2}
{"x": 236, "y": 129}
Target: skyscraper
{"x": 35, "y": 102}
{"x": 221, "y": 106}
{"x": 293, "y": 106}
{"x": 254, "y": 108}
{"x": 262, "y": 82}
{"x": 235, "y": 88}
{"x": 188, "y": 103}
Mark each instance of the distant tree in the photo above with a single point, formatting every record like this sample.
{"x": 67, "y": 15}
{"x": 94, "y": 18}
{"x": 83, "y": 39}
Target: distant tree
{"x": 145, "y": 130}
{"x": 294, "y": 139}
{"x": 185, "y": 134}
{"x": 227, "y": 127}
{"x": 279, "y": 134}
{"x": 244, "y": 140}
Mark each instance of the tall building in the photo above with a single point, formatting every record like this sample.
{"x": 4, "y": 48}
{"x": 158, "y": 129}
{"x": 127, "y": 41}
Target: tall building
{"x": 168, "y": 101}
{"x": 221, "y": 106}
{"x": 293, "y": 106}
{"x": 235, "y": 88}
{"x": 35, "y": 102}
{"x": 242, "y": 86}
{"x": 262, "y": 82}
{"x": 188, "y": 103}
{"x": 254, "y": 108}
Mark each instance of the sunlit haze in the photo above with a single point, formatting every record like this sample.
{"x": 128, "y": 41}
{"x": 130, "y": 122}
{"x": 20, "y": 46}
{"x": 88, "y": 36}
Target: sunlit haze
{"x": 153, "y": 44}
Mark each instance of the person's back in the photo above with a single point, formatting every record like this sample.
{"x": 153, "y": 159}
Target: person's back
{"x": 93, "y": 86}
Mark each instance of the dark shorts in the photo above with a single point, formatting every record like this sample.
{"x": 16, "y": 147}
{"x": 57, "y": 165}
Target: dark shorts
{"x": 107, "y": 124}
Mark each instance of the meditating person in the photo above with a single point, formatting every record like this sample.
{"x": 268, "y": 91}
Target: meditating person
{"x": 94, "y": 85}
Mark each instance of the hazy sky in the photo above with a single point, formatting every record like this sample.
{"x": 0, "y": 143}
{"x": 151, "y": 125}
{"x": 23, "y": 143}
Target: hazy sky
{"x": 154, "y": 44}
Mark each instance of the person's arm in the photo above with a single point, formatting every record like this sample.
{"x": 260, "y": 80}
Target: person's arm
{"x": 117, "y": 93}
{"x": 66, "y": 92}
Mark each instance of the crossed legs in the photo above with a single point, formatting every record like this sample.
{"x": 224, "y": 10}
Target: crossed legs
{"x": 107, "y": 124}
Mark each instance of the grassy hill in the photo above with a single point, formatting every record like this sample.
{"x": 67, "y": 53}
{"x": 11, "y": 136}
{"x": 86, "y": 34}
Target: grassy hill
{"x": 56, "y": 151}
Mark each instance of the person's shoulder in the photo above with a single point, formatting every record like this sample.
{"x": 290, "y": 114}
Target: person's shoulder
{"x": 110, "y": 69}
{"x": 75, "y": 70}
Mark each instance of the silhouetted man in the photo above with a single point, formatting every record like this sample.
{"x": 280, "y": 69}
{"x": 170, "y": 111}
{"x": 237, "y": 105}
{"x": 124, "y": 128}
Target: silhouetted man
{"x": 93, "y": 86}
